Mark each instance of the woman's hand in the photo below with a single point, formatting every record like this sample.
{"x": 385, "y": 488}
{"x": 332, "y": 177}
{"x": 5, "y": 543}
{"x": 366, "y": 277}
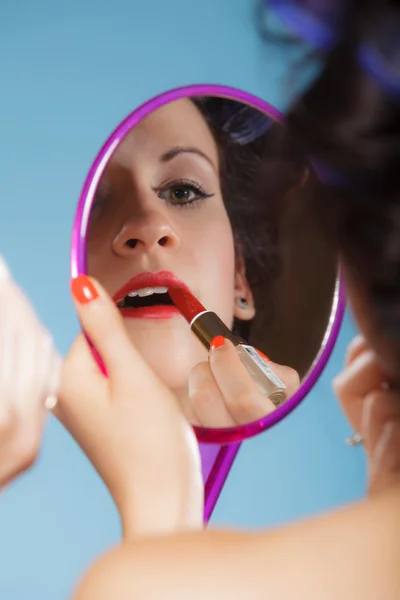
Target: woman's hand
{"x": 29, "y": 376}
{"x": 129, "y": 425}
{"x": 222, "y": 393}
{"x": 373, "y": 410}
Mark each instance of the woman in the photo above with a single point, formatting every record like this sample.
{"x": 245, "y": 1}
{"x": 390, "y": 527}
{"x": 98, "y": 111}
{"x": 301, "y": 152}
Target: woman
{"x": 349, "y": 120}
{"x": 351, "y": 553}
{"x": 169, "y": 206}
{"x": 160, "y": 498}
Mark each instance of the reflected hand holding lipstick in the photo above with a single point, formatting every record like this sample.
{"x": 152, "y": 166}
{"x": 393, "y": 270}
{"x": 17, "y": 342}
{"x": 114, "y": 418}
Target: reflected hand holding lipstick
{"x": 207, "y": 326}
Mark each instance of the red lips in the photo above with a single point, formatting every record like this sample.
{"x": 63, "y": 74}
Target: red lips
{"x": 142, "y": 280}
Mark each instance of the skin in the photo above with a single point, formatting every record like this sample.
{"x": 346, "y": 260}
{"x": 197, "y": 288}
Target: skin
{"x": 193, "y": 240}
{"x": 140, "y": 199}
{"x": 29, "y": 374}
{"x": 160, "y": 498}
{"x": 353, "y": 552}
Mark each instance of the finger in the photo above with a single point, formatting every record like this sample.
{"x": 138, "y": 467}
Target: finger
{"x": 82, "y": 389}
{"x": 19, "y": 311}
{"x": 53, "y": 389}
{"x": 382, "y": 407}
{"x": 131, "y": 380}
{"x": 129, "y": 373}
{"x": 26, "y": 343}
{"x": 189, "y": 412}
{"x": 186, "y": 405}
{"x": 28, "y": 368}
{"x": 244, "y": 401}
{"x": 102, "y": 322}
{"x": 206, "y": 398}
{"x": 7, "y": 376}
{"x": 21, "y": 418}
{"x": 357, "y": 346}
{"x": 356, "y": 381}
{"x": 289, "y": 376}
{"x": 50, "y": 364}
{"x": 34, "y": 353}
{"x": 385, "y": 463}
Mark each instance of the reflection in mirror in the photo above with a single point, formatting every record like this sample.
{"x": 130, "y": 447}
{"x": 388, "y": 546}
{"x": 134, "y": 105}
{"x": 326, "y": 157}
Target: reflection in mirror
{"x": 199, "y": 231}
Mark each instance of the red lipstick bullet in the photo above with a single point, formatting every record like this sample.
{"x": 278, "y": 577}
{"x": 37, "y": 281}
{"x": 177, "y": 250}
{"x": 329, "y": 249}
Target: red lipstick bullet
{"x": 206, "y": 325}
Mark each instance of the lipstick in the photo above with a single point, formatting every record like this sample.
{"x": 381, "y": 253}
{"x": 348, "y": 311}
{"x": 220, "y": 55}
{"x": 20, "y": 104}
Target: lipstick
{"x": 206, "y": 325}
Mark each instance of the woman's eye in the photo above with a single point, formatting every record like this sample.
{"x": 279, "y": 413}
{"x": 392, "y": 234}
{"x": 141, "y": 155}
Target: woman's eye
{"x": 183, "y": 193}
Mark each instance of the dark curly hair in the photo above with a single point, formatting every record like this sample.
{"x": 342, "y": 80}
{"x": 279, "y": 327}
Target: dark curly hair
{"x": 255, "y": 178}
{"x": 348, "y": 121}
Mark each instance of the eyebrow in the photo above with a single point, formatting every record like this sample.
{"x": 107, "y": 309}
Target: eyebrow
{"x": 176, "y": 150}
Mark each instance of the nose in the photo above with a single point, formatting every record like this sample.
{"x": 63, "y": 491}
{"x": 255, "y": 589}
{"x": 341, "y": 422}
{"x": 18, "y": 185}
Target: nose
{"x": 147, "y": 232}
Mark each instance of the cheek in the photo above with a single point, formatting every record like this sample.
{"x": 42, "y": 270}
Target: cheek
{"x": 215, "y": 260}
{"x": 99, "y": 257}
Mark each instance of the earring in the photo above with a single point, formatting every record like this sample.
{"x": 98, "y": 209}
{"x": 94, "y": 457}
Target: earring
{"x": 242, "y": 302}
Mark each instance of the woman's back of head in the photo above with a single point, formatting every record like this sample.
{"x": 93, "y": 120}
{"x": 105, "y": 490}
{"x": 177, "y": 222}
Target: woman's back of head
{"x": 348, "y": 122}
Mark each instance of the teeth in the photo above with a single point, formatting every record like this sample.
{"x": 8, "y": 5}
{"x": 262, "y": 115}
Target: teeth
{"x": 148, "y": 291}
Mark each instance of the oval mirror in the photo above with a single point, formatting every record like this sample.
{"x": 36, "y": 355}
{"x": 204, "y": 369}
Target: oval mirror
{"x": 194, "y": 218}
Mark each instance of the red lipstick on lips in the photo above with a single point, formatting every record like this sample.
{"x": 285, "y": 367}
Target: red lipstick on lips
{"x": 134, "y": 306}
{"x": 206, "y": 325}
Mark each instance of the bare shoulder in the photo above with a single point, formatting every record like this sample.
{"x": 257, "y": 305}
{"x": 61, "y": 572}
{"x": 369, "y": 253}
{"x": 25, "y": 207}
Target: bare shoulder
{"x": 350, "y": 553}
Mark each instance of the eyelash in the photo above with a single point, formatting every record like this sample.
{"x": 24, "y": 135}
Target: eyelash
{"x": 196, "y": 188}
{"x": 192, "y": 186}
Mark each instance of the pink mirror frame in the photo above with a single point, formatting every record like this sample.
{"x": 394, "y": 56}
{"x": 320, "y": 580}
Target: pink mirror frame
{"x": 218, "y": 447}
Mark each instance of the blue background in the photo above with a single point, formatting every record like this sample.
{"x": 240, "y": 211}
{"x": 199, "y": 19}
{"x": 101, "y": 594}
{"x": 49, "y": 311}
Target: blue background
{"x": 69, "y": 72}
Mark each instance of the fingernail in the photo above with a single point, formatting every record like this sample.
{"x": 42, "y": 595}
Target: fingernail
{"x": 217, "y": 342}
{"x": 83, "y": 290}
{"x": 264, "y": 356}
{"x": 4, "y": 272}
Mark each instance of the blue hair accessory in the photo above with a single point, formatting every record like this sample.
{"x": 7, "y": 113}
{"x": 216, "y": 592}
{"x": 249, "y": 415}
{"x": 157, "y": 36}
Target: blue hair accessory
{"x": 380, "y": 57}
{"x": 318, "y": 23}
{"x": 245, "y": 124}
{"x": 241, "y": 122}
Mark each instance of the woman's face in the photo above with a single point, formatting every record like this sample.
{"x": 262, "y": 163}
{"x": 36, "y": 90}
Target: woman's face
{"x": 158, "y": 209}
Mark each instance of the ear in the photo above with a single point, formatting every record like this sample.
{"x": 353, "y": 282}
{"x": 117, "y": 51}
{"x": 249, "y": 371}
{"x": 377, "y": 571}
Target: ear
{"x": 244, "y": 308}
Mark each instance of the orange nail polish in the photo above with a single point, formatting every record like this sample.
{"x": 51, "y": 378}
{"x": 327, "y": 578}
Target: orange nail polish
{"x": 83, "y": 289}
{"x": 217, "y": 342}
{"x": 263, "y": 356}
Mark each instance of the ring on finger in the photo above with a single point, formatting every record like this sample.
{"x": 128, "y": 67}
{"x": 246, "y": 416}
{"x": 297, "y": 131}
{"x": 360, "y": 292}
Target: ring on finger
{"x": 355, "y": 440}
{"x": 50, "y": 402}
